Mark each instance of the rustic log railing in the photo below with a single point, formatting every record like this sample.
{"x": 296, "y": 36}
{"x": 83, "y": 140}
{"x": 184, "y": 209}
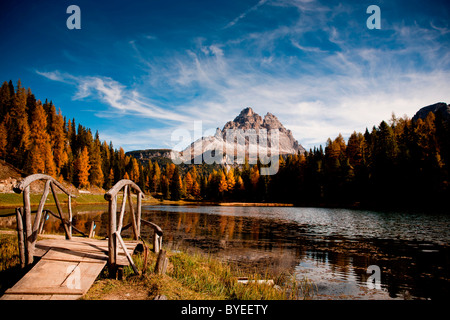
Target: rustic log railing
{"x": 116, "y": 223}
{"x": 28, "y": 230}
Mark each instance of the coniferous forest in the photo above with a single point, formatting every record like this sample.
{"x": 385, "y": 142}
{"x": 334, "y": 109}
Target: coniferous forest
{"x": 399, "y": 163}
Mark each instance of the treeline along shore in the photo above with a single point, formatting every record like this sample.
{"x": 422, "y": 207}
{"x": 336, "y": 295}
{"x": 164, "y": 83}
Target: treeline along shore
{"x": 401, "y": 163}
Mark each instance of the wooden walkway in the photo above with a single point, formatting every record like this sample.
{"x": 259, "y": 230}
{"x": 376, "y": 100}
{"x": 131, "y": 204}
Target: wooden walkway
{"x": 66, "y": 270}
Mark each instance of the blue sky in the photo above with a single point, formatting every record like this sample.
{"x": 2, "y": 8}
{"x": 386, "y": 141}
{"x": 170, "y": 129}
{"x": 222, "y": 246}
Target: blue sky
{"x": 138, "y": 70}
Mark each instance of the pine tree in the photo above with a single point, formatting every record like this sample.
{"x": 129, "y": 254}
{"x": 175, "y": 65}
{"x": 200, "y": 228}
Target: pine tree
{"x": 175, "y": 187}
{"x": 189, "y": 182}
{"x": 40, "y": 158}
{"x": 82, "y": 167}
{"x": 110, "y": 181}
{"x": 156, "y": 181}
{"x": 31, "y": 105}
{"x": 170, "y": 169}
{"x": 58, "y": 141}
{"x": 135, "y": 172}
{"x": 165, "y": 187}
{"x": 196, "y": 190}
{"x": 223, "y": 185}
{"x": 18, "y": 128}
{"x": 254, "y": 177}
{"x": 355, "y": 149}
{"x": 106, "y": 162}
{"x": 3, "y": 141}
{"x": 5, "y": 100}
{"x": 96, "y": 176}
{"x": 231, "y": 182}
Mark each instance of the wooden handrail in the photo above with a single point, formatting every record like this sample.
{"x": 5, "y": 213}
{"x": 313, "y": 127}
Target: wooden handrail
{"x": 27, "y": 229}
{"x": 118, "y": 186}
{"x": 155, "y": 227}
{"x": 116, "y": 222}
{"x": 19, "y": 187}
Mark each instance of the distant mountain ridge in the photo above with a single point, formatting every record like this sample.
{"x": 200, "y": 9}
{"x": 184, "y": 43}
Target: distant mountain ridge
{"x": 250, "y": 120}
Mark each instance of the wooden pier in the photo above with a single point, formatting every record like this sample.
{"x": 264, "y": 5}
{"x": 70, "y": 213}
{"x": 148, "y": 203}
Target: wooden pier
{"x": 66, "y": 269}
{"x": 69, "y": 265}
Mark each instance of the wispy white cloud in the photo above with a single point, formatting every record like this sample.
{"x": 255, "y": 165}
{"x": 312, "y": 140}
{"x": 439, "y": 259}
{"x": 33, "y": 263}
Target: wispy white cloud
{"x": 121, "y": 100}
{"x": 246, "y": 12}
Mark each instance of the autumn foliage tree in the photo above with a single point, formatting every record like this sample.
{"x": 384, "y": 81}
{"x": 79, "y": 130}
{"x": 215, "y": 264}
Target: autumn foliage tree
{"x": 40, "y": 156}
{"x": 82, "y": 167}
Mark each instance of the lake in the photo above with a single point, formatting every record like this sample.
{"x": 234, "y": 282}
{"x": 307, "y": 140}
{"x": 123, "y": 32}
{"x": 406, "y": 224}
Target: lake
{"x": 331, "y": 247}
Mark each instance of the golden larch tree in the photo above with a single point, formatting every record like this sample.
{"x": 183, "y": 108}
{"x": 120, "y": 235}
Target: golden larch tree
{"x": 82, "y": 167}
{"x": 40, "y": 158}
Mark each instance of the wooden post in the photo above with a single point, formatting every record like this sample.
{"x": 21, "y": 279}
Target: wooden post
{"x": 70, "y": 215}
{"x": 156, "y": 243}
{"x": 91, "y": 229}
{"x": 122, "y": 209}
{"x": 138, "y": 216}
{"x": 44, "y": 219}
{"x": 133, "y": 216}
{"x": 124, "y": 247}
{"x": 28, "y": 229}
{"x": 112, "y": 239}
{"x": 58, "y": 206}
{"x": 37, "y": 219}
{"x": 20, "y": 237}
{"x": 161, "y": 263}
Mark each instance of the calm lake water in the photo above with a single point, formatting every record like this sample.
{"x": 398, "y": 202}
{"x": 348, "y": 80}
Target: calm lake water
{"x": 332, "y": 247}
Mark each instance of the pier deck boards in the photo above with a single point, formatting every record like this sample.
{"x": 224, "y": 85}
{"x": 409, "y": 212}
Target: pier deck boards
{"x": 66, "y": 270}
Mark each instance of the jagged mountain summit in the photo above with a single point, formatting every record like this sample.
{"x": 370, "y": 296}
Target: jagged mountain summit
{"x": 248, "y": 135}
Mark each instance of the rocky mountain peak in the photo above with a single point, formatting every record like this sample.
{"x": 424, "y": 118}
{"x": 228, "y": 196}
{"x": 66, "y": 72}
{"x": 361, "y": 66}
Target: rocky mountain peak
{"x": 246, "y": 122}
{"x": 271, "y": 122}
{"x": 247, "y": 119}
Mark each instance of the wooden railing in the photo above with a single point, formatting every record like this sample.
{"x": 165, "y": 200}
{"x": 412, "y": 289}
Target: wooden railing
{"x": 116, "y": 223}
{"x": 28, "y": 230}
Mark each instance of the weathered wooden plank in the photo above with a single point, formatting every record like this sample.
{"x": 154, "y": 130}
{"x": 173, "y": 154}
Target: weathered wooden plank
{"x": 47, "y": 291}
{"x": 69, "y": 255}
{"x": 67, "y": 269}
{"x": 41, "y": 297}
{"x": 96, "y": 247}
{"x": 58, "y": 277}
